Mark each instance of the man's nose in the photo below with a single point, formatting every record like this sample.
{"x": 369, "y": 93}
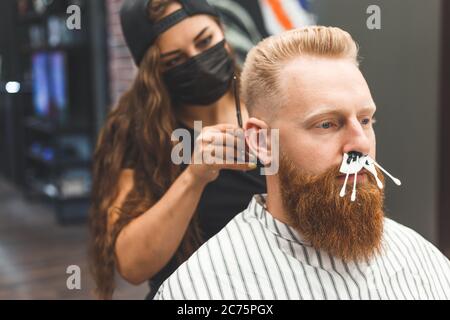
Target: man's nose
{"x": 356, "y": 139}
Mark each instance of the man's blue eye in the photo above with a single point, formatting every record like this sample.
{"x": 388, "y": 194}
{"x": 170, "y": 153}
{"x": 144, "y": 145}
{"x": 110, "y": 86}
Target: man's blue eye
{"x": 325, "y": 125}
{"x": 368, "y": 120}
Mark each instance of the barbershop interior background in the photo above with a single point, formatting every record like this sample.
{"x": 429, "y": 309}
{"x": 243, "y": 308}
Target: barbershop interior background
{"x": 57, "y": 85}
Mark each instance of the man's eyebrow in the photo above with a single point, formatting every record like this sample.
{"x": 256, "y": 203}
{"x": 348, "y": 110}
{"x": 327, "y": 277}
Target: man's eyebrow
{"x": 319, "y": 111}
{"x": 369, "y": 108}
{"x": 164, "y": 55}
{"x": 328, "y": 109}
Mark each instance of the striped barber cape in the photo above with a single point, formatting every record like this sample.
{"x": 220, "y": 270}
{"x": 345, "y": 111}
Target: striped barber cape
{"x": 258, "y": 257}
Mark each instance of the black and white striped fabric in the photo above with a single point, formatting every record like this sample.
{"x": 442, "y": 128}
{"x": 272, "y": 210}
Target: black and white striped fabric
{"x": 258, "y": 257}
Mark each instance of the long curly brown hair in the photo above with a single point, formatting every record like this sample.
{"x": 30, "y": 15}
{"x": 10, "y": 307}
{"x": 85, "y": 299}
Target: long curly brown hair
{"x": 142, "y": 121}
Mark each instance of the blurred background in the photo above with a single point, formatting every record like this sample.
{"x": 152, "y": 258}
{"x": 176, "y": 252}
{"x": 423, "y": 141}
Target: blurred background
{"x": 60, "y": 76}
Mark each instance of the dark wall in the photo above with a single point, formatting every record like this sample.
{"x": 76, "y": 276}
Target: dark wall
{"x": 8, "y": 51}
{"x": 401, "y": 63}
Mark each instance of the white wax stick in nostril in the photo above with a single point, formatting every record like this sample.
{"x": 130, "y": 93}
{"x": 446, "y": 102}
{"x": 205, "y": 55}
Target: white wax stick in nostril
{"x": 379, "y": 183}
{"x": 342, "y": 193}
{"x": 373, "y": 171}
{"x": 353, "y": 197}
{"x": 396, "y": 181}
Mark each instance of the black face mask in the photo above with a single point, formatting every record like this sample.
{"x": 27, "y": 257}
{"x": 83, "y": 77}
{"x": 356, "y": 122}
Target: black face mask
{"x": 203, "y": 79}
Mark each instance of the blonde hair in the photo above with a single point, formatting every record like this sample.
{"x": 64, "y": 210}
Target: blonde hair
{"x": 262, "y": 69}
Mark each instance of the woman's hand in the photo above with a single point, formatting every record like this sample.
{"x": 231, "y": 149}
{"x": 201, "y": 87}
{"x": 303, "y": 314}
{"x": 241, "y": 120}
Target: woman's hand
{"x": 217, "y": 147}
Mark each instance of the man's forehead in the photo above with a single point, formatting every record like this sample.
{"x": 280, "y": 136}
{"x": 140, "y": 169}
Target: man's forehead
{"x": 313, "y": 73}
{"x": 311, "y": 84}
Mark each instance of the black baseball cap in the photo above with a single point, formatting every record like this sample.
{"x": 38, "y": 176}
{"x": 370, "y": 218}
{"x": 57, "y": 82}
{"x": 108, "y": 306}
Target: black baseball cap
{"x": 140, "y": 32}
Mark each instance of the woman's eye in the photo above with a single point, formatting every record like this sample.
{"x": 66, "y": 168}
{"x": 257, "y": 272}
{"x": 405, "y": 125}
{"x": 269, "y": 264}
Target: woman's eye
{"x": 172, "y": 63}
{"x": 205, "y": 42}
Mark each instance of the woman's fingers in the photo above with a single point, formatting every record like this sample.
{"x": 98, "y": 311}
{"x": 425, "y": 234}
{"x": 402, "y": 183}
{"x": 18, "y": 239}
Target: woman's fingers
{"x": 223, "y": 139}
{"x": 223, "y": 127}
{"x": 220, "y": 138}
{"x": 230, "y": 153}
{"x": 223, "y": 147}
{"x": 212, "y": 162}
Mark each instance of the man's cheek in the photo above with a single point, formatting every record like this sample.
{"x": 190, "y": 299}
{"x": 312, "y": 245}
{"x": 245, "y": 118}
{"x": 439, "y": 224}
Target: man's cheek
{"x": 315, "y": 163}
{"x": 373, "y": 147}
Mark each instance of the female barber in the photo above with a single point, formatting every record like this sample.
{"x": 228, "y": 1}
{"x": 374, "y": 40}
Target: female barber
{"x": 148, "y": 214}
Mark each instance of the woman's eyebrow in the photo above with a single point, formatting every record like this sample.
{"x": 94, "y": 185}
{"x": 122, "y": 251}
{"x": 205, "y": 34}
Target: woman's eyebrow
{"x": 170, "y": 53}
{"x": 200, "y": 33}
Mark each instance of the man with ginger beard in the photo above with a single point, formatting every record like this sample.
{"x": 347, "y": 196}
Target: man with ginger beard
{"x": 302, "y": 240}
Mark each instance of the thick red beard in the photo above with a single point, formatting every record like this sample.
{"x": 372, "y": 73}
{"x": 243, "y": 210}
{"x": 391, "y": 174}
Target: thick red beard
{"x": 351, "y": 231}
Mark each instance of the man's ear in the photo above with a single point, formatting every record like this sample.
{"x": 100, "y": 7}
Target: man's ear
{"x": 257, "y": 138}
